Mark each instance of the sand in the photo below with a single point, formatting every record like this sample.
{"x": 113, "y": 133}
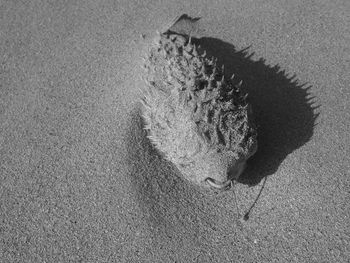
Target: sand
{"x": 79, "y": 180}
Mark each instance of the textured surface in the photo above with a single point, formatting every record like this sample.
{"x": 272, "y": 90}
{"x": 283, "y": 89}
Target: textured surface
{"x": 200, "y": 121}
{"x": 79, "y": 181}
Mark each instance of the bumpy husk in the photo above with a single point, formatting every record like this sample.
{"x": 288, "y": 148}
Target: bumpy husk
{"x": 200, "y": 120}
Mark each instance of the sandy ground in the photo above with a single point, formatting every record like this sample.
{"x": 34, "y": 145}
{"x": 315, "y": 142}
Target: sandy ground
{"x": 79, "y": 181}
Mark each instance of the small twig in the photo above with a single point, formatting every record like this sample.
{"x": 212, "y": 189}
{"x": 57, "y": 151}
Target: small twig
{"x": 246, "y": 216}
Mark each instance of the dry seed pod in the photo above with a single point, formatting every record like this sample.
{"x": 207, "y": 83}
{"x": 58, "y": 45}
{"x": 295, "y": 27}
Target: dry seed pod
{"x": 196, "y": 117}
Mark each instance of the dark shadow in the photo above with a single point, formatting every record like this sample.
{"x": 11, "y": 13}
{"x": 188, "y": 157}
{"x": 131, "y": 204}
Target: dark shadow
{"x": 285, "y": 117}
{"x": 283, "y": 108}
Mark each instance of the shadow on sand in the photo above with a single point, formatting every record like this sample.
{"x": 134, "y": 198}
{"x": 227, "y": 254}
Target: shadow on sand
{"x": 283, "y": 109}
{"x": 285, "y": 117}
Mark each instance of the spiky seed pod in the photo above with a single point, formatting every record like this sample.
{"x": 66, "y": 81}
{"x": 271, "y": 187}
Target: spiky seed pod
{"x": 195, "y": 116}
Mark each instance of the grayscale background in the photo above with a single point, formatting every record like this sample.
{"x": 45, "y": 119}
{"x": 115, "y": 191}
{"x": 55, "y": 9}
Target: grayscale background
{"x": 79, "y": 181}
